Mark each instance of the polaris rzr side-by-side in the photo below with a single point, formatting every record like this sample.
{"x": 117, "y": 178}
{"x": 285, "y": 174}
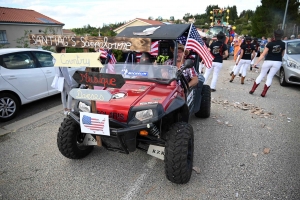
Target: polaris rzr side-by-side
{"x": 146, "y": 111}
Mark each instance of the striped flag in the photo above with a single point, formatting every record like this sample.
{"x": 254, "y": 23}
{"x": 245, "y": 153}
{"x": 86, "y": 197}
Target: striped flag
{"x": 195, "y": 43}
{"x": 154, "y": 48}
{"x": 112, "y": 59}
{"x": 103, "y": 53}
{"x": 93, "y": 124}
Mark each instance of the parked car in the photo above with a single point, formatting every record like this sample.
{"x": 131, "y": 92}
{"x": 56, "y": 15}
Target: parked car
{"x": 25, "y": 76}
{"x": 289, "y": 72}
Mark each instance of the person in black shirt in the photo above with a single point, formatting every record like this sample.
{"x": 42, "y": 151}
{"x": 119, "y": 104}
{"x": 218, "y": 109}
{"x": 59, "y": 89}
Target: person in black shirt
{"x": 219, "y": 51}
{"x": 256, "y": 46}
{"x": 247, "y": 54}
{"x": 274, "y": 52}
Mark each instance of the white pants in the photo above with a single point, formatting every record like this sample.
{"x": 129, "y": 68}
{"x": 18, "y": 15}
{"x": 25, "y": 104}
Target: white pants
{"x": 235, "y": 64}
{"x": 64, "y": 95}
{"x": 216, "y": 67}
{"x": 273, "y": 66}
{"x": 252, "y": 62}
{"x": 244, "y": 64}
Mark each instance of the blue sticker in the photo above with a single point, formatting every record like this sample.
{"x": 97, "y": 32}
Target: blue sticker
{"x": 132, "y": 73}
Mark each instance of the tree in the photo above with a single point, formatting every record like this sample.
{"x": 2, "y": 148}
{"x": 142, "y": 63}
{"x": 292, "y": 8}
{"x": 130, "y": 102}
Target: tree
{"x": 23, "y": 42}
{"x": 270, "y": 14}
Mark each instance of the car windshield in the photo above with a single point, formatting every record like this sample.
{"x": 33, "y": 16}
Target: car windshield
{"x": 293, "y": 47}
{"x": 142, "y": 71}
{"x": 213, "y": 31}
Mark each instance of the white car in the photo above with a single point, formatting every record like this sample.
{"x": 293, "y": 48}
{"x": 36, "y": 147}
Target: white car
{"x": 26, "y": 75}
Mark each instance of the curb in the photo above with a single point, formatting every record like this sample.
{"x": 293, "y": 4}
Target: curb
{"x": 13, "y": 127}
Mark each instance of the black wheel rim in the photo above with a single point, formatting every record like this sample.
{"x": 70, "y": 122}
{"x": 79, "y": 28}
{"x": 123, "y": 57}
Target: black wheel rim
{"x": 7, "y": 107}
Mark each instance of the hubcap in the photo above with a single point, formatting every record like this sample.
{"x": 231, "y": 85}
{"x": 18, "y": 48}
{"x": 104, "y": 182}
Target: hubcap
{"x": 7, "y": 107}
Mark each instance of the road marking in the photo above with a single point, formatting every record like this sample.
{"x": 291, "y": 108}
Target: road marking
{"x": 133, "y": 190}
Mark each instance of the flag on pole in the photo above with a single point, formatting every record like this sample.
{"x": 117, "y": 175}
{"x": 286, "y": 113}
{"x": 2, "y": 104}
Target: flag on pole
{"x": 195, "y": 43}
{"x": 154, "y": 48}
{"x": 112, "y": 59}
{"x": 103, "y": 53}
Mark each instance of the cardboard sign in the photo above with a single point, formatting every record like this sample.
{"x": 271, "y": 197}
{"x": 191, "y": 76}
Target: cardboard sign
{"x": 99, "y": 79}
{"x": 118, "y": 43}
{"x": 77, "y": 59}
{"x": 92, "y": 95}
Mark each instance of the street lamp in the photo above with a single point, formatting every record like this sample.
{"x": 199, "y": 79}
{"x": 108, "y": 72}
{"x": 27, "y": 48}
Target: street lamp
{"x": 287, "y": 2}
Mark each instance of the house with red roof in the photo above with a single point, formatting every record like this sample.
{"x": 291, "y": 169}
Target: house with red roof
{"x": 138, "y": 22}
{"x": 15, "y": 22}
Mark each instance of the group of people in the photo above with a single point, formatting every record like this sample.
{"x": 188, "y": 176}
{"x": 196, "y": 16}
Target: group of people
{"x": 245, "y": 51}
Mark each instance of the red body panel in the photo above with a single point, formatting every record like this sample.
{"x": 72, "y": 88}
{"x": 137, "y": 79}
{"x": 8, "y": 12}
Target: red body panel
{"x": 137, "y": 94}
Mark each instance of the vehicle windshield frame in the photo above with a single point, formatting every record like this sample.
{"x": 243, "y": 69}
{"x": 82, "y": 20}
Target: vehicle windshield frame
{"x": 142, "y": 72}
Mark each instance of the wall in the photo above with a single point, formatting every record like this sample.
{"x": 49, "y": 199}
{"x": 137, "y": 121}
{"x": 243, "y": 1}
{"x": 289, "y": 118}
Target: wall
{"x": 15, "y": 31}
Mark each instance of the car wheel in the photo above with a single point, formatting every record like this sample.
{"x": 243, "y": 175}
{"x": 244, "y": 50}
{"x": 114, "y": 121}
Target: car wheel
{"x": 179, "y": 153}
{"x": 70, "y": 140}
{"x": 9, "y": 106}
{"x": 282, "y": 78}
{"x": 204, "y": 111}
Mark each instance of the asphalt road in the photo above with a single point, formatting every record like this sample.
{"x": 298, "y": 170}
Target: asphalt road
{"x": 247, "y": 149}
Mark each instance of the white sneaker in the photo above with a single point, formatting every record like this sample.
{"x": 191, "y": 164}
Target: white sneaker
{"x": 66, "y": 112}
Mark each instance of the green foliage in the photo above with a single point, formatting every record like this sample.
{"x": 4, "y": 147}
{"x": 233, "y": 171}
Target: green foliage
{"x": 23, "y": 42}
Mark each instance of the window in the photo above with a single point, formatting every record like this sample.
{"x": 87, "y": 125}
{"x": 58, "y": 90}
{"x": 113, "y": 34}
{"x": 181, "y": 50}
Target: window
{"x": 20, "y": 60}
{"x": 3, "y": 39}
{"x": 45, "y": 59}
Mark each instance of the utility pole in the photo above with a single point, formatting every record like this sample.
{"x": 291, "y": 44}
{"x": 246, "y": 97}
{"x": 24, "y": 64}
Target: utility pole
{"x": 283, "y": 23}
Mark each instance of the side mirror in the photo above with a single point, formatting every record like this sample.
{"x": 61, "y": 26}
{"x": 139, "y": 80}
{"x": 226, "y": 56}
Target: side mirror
{"x": 188, "y": 63}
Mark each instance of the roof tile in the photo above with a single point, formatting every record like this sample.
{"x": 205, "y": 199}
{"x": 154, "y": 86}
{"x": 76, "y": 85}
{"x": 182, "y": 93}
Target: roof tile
{"x": 16, "y": 15}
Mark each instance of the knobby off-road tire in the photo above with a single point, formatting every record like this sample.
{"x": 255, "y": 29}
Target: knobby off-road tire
{"x": 179, "y": 153}
{"x": 204, "y": 111}
{"x": 70, "y": 138}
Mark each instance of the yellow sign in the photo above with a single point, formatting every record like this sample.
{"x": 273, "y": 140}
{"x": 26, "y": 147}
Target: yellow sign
{"x": 77, "y": 60}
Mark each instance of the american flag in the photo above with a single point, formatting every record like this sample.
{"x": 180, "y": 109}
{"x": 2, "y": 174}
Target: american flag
{"x": 103, "y": 53}
{"x": 93, "y": 124}
{"x": 195, "y": 43}
{"x": 154, "y": 48}
{"x": 112, "y": 59}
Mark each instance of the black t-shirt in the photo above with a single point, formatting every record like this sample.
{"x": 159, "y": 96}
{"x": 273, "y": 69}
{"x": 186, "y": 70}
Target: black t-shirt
{"x": 256, "y": 45}
{"x": 217, "y": 49}
{"x": 275, "y": 50}
{"x": 248, "y": 49}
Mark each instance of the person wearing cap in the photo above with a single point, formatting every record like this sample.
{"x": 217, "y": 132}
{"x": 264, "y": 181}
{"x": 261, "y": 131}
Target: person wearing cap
{"x": 217, "y": 49}
{"x": 292, "y": 37}
{"x": 273, "y": 54}
{"x": 247, "y": 54}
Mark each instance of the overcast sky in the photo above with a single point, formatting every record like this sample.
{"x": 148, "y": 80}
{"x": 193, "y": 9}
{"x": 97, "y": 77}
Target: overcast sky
{"x": 76, "y": 14}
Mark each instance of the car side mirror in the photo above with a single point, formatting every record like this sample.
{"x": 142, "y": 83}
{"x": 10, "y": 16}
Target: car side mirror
{"x": 188, "y": 63}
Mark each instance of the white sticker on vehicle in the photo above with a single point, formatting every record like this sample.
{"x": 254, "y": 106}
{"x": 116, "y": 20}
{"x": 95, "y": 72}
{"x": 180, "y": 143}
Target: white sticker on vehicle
{"x": 156, "y": 151}
{"x": 89, "y": 140}
{"x": 94, "y": 123}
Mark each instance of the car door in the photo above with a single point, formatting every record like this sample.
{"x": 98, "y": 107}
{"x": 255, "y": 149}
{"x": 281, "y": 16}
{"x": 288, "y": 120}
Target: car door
{"x": 45, "y": 63}
{"x": 20, "y": 70}
{"x": 47, "y": 66}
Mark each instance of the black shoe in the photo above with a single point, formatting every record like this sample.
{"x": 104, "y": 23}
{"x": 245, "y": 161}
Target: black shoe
{"x": 240, "y": 74}
{"x": 213, "y": 90}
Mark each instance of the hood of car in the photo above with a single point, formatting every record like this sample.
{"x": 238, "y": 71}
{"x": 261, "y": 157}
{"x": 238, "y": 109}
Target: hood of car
{"x": 134, "y": 94}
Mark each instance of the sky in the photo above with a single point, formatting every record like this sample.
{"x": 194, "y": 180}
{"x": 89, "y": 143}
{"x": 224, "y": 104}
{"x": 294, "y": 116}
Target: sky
{"x": 96, "y": 13}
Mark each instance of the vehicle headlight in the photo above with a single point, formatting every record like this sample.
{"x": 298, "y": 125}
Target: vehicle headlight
{"x": 293, "y": 64}
{"x": 144, "y": 114}
{"x": 83, "y": 107}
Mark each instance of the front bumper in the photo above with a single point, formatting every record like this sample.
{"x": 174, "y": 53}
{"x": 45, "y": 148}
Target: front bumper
{"x": 124, "y": 138}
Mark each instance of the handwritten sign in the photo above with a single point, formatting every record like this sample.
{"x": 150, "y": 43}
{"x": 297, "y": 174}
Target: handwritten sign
{"x": 93, "y": 95}
{"x": 99, "y": 79}
{"x": 77, "y": 60}
{"x": 118, "y": 43}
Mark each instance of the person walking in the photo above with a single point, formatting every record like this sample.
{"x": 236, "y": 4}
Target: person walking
{"x": 256, "y": 46}
{"x": 219, "y": 51}
{"x": 67, "y": 83}
{"x": 247, "y": 54}
{"x": 273, "y": 54}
